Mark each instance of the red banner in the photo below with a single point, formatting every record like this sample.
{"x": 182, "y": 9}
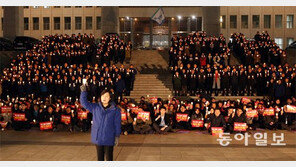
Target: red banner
{"x": 45, "y": 125}
{"x": 246, "y": 100}
{"x": 19, "y": 116}
{"x": 239, "y": 126}
{"x": 3, "y": 124}
{"x": 123, "y": 116}
{"x": 268, "y": 112}
{"x": 216, "y": 131}
{"x": 197, "y": 123}
{"x": 82, "y": 115}
{"x": 66, "y": 119}
{"x": 5, "y": 109}
{"x": 251, "y": 113}
{"x": 153, "y": 100}
{"x": 182, "y": 117}
{"x": 135, "y": 109}
{"x": 143, "y": 115}
{"x": 291, "y": 109}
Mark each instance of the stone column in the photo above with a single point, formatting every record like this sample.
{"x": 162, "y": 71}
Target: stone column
{"x": 13, "y": 21}
{"x": 210, "y": 20}
{"x": 132, "y": 32}
{"x": 151, "y": 33}
{"x": 110, "y": 19}
{"x": 170, "y": 31}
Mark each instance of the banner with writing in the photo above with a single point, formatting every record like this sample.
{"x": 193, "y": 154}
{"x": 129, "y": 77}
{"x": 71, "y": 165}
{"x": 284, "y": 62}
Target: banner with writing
{"x": 216, "y": 131}
{"x": 291, "y": 109}
{"x": 5, "y": 110}
{"x": 153, "y": 100}
{"x": 123, "y": 116}
{"x": 66, "y": 119}
{"x": 197, "y": 123}
{"x": 143, "y": 115}
{"x": 182, "y": 117}
{"x": 45, "y": 125}
{"x": 82, "y": 115}
{"x": 268, "y": 112}
{"x": 251, "y": 113}
{"x": 239, "y": 126}
{"x": 135, "y": 109}
{"x": 19, "y": 116}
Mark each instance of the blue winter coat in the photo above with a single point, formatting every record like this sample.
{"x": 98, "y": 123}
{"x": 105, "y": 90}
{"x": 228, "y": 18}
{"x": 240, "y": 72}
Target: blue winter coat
{"x": 106, "y": 123}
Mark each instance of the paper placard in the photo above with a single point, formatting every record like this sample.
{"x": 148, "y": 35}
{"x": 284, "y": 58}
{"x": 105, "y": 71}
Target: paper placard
{"x": 45, "y": 125}
{"x": 216, "y": 131}
{"x": 251, "y": 113}
{"x": 144, "y": 115}
{"x": 268, "y": 112}
{"x": 182, "y": 117}
{"x": 66, "y": 119}
{"x": 291, "y": 109}
{"x": 19, "y": 116}
{"x": 5, "y": 110}
{"x": 197, "y": 123}
{"x": 82, "y": 115}
{"x": 240, "y": 126}
{"x": 123, "y": 116}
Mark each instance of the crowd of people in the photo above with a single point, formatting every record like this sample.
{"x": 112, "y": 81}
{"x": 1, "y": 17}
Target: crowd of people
{"x": 261, "y": 49}
{"x": 200, "y": 64}
{"x": 153, "y": 115}
{"x": 57, "y": 65}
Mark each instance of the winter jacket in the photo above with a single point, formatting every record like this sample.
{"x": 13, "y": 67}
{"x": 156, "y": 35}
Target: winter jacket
{"x": 106, "y": 122}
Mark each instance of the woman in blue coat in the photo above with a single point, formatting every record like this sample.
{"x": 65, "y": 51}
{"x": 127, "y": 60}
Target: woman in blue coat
{"x": 106, "y": 127}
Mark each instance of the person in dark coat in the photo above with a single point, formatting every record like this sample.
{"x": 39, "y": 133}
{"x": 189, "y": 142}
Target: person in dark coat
{"x": 120, "y": 86}
{"x": 177, "y": 85}
{"x": 162, "y": 122}
{"x": 217, "y": 120}
{"x": 237, "y": 116}
{"x": 279, "y": 90}
{"x": 106, "y": 127}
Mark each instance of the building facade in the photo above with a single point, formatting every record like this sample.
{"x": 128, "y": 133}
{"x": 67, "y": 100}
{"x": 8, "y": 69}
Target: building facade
{"x": 135, "y": 23}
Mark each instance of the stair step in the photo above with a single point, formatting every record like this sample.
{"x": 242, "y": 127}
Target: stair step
{"x": 150, "y": 88}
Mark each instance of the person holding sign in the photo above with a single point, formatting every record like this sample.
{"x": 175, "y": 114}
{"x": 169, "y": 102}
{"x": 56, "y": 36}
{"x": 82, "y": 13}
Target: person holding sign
{"x": 69, "y": 118}
{"x": 197, "y": 119}
{"x": 182, "y": 118}
{"x": 217, "y": 120}
{"x": 162, "y": 122}
{"x": 49, "y": 116}
{"x": 269, "y": 119}
{"x": 21, "y": 118}
{"x": 142, "y": 123}
{"x": 126, "y": 121}
{"x": 106, "y": 127}
{"x": 237, "y": 116}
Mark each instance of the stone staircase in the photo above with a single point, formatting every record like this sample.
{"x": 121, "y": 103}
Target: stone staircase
{"x": 153, "y": 85}
{"x": 153, "y": 78}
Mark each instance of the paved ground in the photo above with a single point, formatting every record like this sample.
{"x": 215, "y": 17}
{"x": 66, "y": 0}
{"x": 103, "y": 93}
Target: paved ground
{"x": 34, "y": 145}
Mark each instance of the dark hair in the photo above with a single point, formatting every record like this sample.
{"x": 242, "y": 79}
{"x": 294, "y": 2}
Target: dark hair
{"x": 162, "y": 107}
{"x": 105, "y": 91}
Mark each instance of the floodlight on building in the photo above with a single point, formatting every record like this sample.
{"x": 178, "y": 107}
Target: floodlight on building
{"x": 179, "y": 17}
{"x": 173, "y": 18}
{"x": 193, "y": 17}
{"x": 221, "y": 19}
{"x": 122, "y": 19}
{"x": 127, "y": 17}
{"x": 135, "y": 19}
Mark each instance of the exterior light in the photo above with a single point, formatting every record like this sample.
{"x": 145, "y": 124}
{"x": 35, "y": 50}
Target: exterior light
{"x": 221, "y": 19}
